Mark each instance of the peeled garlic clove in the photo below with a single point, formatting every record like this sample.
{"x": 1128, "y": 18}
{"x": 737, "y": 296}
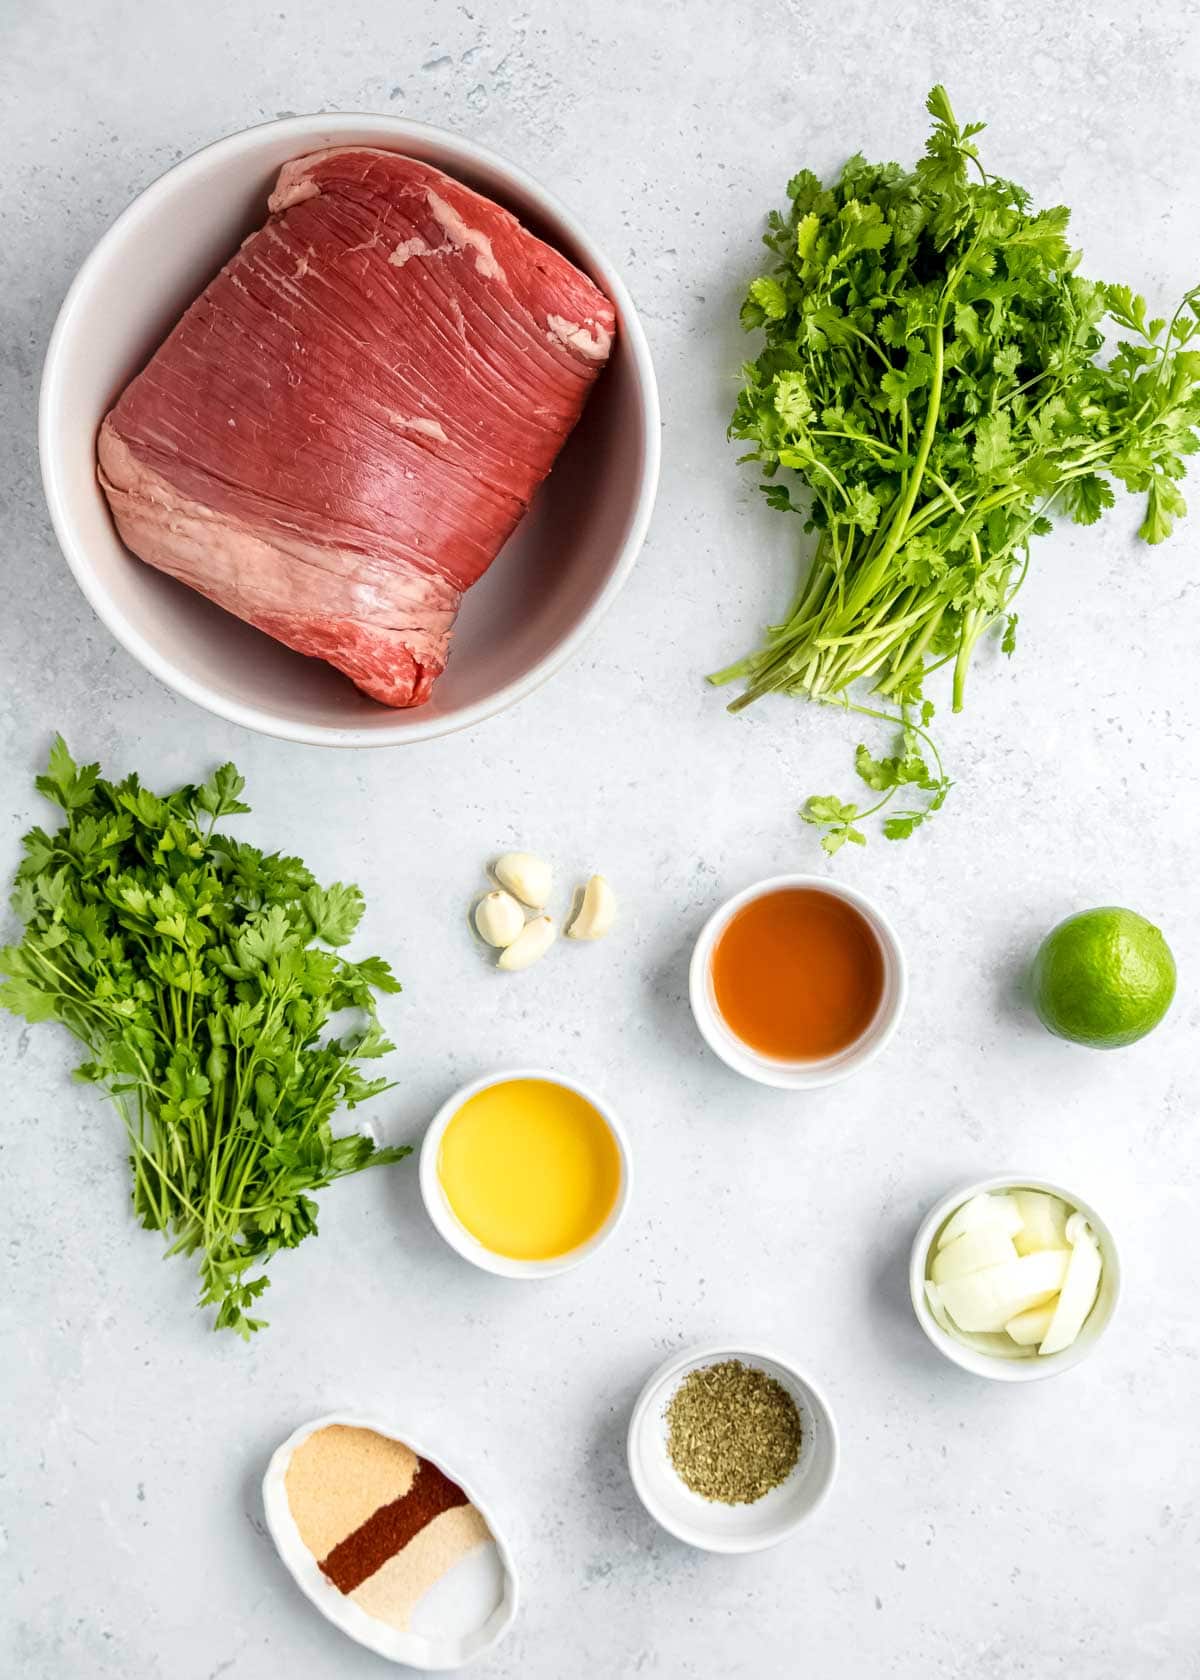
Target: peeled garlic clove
{"x": 499, "y": 918}
{"x": 597, "y": 911}
{"x": 533, "y": 941}
{"x": 525, "y": 875}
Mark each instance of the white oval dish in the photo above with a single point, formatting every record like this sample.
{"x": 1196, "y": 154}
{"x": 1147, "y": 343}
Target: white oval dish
{"x": 1014, "y": 1369}
{"x": 477, "y": 1611}
{"x": 457, "y": 1235}
{"x": 517, "y": 626}
{"x": 768, "y": 1070}
{"x": 705, "y": 1523}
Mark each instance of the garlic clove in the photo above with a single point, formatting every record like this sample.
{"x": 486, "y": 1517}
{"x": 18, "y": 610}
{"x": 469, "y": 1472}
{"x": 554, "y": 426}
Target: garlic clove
{"x": 597, "y": 911}
{"x": 525, "y": 875}
{"x": 499, "y": 918}
{"x": 533, "y": 941}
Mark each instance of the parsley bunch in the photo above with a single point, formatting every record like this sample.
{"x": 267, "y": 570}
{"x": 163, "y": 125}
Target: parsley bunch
{"x": 930, "y": 373}
{"x": 186, "y": 963}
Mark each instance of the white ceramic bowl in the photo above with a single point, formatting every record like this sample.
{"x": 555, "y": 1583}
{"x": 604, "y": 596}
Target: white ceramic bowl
{"x": 768, "y": 1070}
{"x": 988, "y": 1365}
{"x": 562, "y": 569}
{"x": 448, "y": 1628}
{"x": 457, "y": 1235}
{"x": 704, "y": 1522}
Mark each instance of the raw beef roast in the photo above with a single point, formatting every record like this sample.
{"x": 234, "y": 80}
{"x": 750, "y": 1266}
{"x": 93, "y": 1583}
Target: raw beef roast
{"x": 343, "y": 430}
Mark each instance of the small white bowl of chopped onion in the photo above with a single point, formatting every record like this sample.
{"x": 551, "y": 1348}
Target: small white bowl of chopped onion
{"x": 1014, "y": 1278}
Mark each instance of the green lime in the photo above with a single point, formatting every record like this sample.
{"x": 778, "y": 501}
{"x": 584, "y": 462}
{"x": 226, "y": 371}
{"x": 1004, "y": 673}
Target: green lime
{"x": 1104, "y": 977}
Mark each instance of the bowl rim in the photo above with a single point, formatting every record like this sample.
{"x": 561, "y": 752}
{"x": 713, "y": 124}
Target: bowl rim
{"x": 794, "y": 1076}
{"x": 988, "y": 1365}
{"x": 299, "y": 1562}
{"x": 453, "y": 149}
{"x": 695, "y": 1535}
{"x": 445, "y": 1221}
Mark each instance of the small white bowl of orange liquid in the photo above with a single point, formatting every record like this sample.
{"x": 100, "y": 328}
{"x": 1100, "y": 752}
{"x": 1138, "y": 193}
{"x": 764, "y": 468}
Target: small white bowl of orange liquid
{"x": 525, "y": 1173}
{"x": 798, "y": 981}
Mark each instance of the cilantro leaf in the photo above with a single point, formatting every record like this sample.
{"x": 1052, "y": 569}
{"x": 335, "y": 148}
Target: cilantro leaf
{"x": 770, "y": 297}
{"x": 824, "y": 811}
{"x": 824, "y": 808}
{"x": 1086, "y": 498}
{"x": 779, "y": 497}
{"x": 807, "y": 229}
{"x": 993, "y": 443}
{"x": 1164, "y": 504}
{"x": 900, "y": 827}
{"x": 864, "y": 507}
{"x": 878, "y": 773}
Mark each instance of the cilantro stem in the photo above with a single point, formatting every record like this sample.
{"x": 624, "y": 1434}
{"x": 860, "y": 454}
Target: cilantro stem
{"x": 969, "y": 630}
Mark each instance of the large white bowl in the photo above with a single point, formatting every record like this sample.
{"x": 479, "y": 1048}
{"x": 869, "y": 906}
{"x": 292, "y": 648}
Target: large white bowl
{"x": 548, "y": 588}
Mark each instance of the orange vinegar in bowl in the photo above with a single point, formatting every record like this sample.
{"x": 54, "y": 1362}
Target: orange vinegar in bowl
{"x": 798, "y": 974}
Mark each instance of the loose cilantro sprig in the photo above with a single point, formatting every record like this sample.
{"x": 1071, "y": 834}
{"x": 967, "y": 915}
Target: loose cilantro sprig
{"x": 907, "y": 768}
{"x": 930, "y": 374}
{"x": 185, "y": 961}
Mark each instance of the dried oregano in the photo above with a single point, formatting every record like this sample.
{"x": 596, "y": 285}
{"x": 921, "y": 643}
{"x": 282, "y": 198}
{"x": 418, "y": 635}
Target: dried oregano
{"x": 733, "y": 1433}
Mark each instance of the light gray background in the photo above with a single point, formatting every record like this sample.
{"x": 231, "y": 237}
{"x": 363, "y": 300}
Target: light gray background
{"x": 976, "y": 1530}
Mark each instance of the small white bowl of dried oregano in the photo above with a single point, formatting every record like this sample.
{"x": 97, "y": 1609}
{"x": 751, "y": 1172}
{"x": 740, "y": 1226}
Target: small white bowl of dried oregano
{"x": 731, "y": 1448}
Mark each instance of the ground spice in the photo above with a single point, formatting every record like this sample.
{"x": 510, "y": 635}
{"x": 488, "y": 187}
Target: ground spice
{"x": 391, "y": 1527}
{"x": 733, "y": 1433}
{"x": 382, "y": 1524}
{"x": 339, "y": 1476}
{"x": 394, "y": 1591}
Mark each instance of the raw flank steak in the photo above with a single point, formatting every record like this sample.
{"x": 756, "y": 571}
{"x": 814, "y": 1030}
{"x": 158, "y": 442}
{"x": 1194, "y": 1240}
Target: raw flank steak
{"x": 343, "y": 430}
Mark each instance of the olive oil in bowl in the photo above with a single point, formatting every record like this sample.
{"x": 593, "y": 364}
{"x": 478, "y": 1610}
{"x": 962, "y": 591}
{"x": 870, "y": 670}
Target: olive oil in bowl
{"x": 525, "y": 1173}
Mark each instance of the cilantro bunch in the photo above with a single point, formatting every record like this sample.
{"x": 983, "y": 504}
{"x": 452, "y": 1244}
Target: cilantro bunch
{"x": 185, "y": 962}
{"x": 931, "y": 375}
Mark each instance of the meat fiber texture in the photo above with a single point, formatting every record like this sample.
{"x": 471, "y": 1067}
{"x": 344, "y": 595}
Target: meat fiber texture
{"x": 341, "y": 433}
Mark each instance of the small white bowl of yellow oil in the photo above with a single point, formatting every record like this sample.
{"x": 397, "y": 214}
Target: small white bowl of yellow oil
{"x": 525, "y": 1173}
